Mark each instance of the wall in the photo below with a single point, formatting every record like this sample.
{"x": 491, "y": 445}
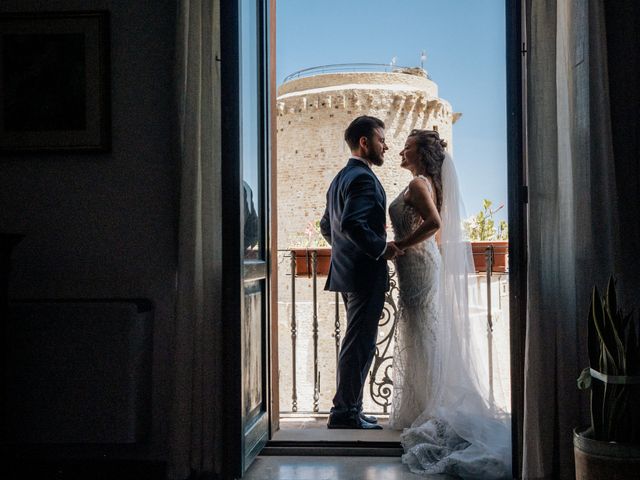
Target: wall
{"x": 105, "y": 225}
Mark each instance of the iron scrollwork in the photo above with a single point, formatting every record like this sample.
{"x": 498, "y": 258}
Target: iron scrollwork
{"x": 380, "y": 376}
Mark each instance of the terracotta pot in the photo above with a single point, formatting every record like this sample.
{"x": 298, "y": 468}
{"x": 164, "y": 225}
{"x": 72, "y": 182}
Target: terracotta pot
{"x": 598, "y": 460}
{"x": 500, "y": 255}
{"x": 304, "y": 260}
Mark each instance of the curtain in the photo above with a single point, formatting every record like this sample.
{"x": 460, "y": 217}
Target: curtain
{"x": 195, "y": 424}
{"x": 572, "y": 219}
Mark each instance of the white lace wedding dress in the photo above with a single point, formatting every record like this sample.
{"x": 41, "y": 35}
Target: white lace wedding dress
{"x": 439, "y": 393}
{"x": 417, "y": 363}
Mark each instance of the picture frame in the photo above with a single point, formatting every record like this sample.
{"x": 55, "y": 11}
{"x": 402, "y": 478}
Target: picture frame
{"x": 54, "y": 82}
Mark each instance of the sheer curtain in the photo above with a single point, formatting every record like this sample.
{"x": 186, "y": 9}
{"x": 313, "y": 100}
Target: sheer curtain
{"x": 195, "y": 424}
{"x": 572, "y": 219}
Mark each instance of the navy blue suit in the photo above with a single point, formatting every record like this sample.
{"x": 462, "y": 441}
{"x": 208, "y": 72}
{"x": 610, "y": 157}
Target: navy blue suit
{"x": 354, "y": 225}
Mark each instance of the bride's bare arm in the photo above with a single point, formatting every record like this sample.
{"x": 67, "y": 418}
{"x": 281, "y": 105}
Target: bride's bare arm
{"x": 420, "y": 198}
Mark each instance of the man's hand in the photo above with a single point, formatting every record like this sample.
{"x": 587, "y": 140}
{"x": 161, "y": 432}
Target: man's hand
{"x": 392, "y": 251}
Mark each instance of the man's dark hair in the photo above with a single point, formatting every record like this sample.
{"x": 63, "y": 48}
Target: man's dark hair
{"x": 361, "y": 127}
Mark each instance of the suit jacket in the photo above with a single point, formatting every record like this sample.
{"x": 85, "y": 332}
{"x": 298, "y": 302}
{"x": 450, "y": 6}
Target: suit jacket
{"x": 354, "y": 225}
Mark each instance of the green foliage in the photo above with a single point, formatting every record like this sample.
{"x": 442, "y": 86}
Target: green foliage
{"x": 481, "y": 226}
{"x": 614, "y": 350}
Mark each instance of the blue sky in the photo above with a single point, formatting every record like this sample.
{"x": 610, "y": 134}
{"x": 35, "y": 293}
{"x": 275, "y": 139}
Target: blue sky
{"x": 465, "y": 45}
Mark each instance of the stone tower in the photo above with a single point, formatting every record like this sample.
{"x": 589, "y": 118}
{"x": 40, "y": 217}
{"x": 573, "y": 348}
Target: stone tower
{"x": 312, "y": 114}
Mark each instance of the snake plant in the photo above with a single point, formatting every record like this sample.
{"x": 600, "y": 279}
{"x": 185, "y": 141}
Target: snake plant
{"x": 614, "y": 358}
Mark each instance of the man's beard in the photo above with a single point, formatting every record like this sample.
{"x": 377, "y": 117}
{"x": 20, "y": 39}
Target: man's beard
{"x": 376, "y": 159}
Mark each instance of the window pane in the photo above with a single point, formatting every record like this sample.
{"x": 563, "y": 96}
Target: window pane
{"x": 251, "y": 96}
{"x": 253, "y": 367}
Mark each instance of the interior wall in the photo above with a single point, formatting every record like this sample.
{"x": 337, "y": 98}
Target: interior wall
{"x": 104, "y": 225}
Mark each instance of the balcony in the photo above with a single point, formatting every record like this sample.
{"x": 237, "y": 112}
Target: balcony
{"x": 311, "y": 322}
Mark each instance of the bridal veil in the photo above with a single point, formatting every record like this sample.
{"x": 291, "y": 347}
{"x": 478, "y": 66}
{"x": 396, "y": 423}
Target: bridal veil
{"x": 466, "y": 434}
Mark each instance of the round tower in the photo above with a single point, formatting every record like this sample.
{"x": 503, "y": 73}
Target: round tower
{"x": 312, "y": 114}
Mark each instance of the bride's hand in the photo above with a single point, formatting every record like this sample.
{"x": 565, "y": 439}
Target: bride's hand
{"x": 392, "y": 251}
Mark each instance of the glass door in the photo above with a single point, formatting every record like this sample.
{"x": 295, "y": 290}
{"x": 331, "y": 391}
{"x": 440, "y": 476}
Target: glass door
{"x": 246, "y": 198}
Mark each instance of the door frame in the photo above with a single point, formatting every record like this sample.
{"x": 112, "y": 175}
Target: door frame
{"x": 235, "y": 270}
{"x": 517, "y": 204}
{"x": 515, "y": 51}
{"x": 516, "y": 48}
{"x": 231, "y": 238}
{"x": 273, "y": 219}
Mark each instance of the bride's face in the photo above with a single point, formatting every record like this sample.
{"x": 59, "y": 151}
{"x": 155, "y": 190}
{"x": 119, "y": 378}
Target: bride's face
{"x": 410, "y": 155}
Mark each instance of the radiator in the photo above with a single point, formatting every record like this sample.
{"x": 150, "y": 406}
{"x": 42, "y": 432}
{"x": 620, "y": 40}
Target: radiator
{"x": 79, "y": 371}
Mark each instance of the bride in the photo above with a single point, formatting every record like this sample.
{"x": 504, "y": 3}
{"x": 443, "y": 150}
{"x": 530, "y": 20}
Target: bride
{"x": 451, "y": 423}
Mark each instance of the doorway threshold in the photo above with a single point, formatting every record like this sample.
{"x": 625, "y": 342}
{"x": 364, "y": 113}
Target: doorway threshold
{"x": 309, "y": 435}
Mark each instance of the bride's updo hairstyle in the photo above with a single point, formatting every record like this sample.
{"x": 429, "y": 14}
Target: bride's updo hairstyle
{"x": 431, "y": 148}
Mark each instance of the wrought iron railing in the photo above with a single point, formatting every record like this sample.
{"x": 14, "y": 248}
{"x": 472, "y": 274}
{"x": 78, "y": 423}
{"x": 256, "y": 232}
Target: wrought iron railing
{"x": 349, "y": 68}
{"x": 380, "y": 377}
{"x": 380, "y": 384}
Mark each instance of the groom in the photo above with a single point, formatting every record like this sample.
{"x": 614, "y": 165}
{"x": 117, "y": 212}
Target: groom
{"x": 354, "y": 225}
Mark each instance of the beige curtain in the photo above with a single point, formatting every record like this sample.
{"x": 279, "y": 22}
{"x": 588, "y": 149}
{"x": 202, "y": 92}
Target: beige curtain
{"x": 195, "y": 424}
{"x": 572, "y": 205}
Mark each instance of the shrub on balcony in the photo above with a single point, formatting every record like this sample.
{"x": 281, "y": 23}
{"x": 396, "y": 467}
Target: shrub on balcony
{"x": 482, "y": 232}
{"x": 481, "y": 226}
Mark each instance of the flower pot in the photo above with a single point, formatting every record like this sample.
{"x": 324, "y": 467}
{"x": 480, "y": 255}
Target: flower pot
{"x": 599, "y": 460}
{"x": 500, "y": 255}
{"x": 304, "y": 260}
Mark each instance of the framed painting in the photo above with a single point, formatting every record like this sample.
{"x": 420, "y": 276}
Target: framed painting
{"x": 54, "y": 82}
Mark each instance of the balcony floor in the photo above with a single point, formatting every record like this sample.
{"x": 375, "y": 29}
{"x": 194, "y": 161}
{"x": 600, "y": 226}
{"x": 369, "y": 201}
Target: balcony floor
{"x": 314, "y": 429}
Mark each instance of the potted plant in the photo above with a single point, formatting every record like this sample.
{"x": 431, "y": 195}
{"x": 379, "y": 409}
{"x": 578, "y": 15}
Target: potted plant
{"x": 610, "y": 447}
{"x": 483, "y": 234}
{"x": 311, "y": 244}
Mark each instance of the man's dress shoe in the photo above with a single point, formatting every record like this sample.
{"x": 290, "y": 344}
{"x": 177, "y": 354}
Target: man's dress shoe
{"x": 350, "y": 421}
{"x": 368, "y": 418}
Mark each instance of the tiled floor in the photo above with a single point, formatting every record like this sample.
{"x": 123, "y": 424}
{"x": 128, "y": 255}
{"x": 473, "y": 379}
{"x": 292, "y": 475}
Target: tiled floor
{"x": 302, "y": 429}
{"x": 332, "y": 468}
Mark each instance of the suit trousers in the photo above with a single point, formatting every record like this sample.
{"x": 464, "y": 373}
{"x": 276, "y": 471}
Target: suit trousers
{"x": 358, "y": 348}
